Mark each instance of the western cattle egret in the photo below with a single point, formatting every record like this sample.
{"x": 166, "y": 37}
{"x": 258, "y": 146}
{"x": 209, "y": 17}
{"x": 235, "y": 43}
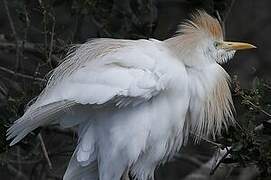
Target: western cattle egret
{"x": 135, "y": 101}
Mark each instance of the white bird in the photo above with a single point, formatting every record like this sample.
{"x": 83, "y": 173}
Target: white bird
{"x": 135, "y": 101}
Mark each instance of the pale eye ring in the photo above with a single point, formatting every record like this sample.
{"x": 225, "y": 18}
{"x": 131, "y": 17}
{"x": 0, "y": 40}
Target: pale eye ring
{"x": 216, "y": 44}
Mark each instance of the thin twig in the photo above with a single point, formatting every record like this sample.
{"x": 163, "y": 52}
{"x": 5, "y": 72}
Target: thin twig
{"x": 51, "y": 42}
{"x": 21, "y": 75}
{"x": 36, "y": 72}
{"x": 207, "y": 140}
{"x": 229, "y": 11}
{"x": 267, "y": 86}
{"x": 29, "y": 47}
{"x": 78, "y": 26}
{"x": 27, "y": 25}
{"x": 16, "y": 171}
{"x": 221, "y": 22}
{"x": 14, "y": 33}
{"x": 44, "y": 22}
{"x": 45, "y": 151}
{"x": 220, "y": 161}
{"x": 22, "y": 162}
{"x": 257, "y": 107}
{"x": 101, "y": 27}
{"x": 19, "y": 162}
{"x": 151, "y": 20}
{"x": 11, "y": 23}
{"x": 224, "y": 19}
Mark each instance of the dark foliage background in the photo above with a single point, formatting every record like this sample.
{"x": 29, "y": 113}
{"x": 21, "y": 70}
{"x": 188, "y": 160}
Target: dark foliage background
{"x": 35, "y": 36}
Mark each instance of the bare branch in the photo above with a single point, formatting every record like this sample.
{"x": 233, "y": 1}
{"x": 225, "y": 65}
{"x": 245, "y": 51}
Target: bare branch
{"x": 221, "y": 22}
{"x": 207, "y": 140}
{"x": 44, "y": 150}
{"x": 101, "y": 27}
{"x": 44, "y": 22}
{"x": 14, "y": 33}
{"x": 19, "y": 162}
{"x": 51, "y": 41}
{"x": 11, "y": 23}
{"x": 259, "y": 108}
{"x": 34, "y": 49}
{"x": 267, "y": 86}
{"x": 28, "y": 46}
{"x": 229, "y": 11}
{"x": 21, "y": 75}
{"x": 27, "y": 25}
{"x": 16, "y": 171}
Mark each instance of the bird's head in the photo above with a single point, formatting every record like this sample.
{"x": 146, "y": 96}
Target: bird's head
{"x": 200, "y": 41}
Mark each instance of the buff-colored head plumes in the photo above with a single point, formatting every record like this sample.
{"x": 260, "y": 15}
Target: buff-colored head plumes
{"x": 193, "y": 34}
{"x": 202, "y": 23}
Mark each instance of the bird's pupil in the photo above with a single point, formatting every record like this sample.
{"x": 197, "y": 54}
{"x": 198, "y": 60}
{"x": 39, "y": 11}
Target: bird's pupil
{"x": 216, "y": 44}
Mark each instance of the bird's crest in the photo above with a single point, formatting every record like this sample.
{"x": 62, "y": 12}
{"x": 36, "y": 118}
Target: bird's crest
{"x": 201, "y": 22}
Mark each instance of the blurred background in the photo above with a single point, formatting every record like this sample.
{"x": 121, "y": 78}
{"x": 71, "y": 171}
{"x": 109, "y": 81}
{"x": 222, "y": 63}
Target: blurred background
{"x": 35, "y": 36}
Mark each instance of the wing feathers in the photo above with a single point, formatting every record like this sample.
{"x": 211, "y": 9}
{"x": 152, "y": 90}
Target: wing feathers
{"x": 34, "y": 118}
{"x": 123, "y": 74}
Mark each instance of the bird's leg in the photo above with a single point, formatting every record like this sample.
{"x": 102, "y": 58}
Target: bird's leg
{"x": 125, "y": 175}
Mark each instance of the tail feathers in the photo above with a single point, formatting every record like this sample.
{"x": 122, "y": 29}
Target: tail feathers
{"x": 86, "y": 151}
{"x": 83, "y": 164}
{"x": 35, "y": 117}
{"x": 76, "y": 171}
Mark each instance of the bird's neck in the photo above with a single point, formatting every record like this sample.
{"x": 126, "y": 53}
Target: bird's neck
{"x": 188, "y": 50}
{"x": 211, "y": 102}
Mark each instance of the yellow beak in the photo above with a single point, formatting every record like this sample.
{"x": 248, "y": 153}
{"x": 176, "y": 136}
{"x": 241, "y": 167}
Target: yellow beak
{"x": 236, "y": 45}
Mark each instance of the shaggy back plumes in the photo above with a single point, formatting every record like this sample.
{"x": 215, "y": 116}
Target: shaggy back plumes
{"x": 77, "y": 57}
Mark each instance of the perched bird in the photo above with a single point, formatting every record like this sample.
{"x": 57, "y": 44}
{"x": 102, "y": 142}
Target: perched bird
{"x": 134, "y": 102}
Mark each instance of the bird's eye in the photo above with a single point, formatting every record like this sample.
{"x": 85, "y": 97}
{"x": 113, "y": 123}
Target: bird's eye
{"x": 216, "y": 44}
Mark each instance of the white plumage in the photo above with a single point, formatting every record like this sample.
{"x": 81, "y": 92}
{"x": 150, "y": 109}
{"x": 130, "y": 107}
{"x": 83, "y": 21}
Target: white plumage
{"x": 135, "y": 101}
